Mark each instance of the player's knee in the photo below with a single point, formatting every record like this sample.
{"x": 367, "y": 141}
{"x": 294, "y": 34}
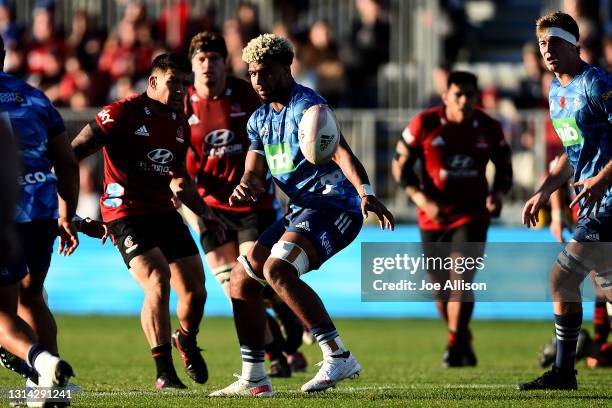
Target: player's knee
{"x": 158, "y": 284}
{"x": 289, "y": 254}
{"x": 242, "y": 285}
{"x": 222, "y": 273}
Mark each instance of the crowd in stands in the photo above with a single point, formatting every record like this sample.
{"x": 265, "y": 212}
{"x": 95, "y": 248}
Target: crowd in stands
{"x": 89, "y": 65}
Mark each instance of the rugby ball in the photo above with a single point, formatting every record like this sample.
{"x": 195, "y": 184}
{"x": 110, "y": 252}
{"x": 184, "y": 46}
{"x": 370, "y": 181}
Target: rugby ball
{"x": 318, "y": 134}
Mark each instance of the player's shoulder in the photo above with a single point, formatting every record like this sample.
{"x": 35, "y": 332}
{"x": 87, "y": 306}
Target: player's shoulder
{"x": 303, "y": 98}
{"x": 596, "y": 79}
{"x": 430, "y": 118}
{"x": 484, "y": 119}
{"x": 21, "y": 89}
{"x": 129, "y": 105}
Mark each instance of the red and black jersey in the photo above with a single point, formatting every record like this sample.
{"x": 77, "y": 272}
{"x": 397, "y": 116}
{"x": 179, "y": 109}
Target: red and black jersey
{"x": 142, "y": 148}
{"x": 454, "y": 160}
{"x": 219, "y": 143}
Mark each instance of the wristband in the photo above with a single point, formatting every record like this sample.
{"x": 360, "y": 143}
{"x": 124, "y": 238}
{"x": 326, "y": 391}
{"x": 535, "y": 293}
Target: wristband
{"x": 367, "y": 190}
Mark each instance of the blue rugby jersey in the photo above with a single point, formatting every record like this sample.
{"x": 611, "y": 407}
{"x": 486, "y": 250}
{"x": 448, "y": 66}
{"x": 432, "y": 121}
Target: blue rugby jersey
{"x": 581, "y": 113}
{"x": 275, "y": 135}
{"x": 35, "y": 122}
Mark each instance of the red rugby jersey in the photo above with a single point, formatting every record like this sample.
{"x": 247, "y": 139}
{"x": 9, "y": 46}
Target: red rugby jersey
{"x": 219, "y": 143}
{"x": 141, "y": 150}
{"x": 455, "y": 157}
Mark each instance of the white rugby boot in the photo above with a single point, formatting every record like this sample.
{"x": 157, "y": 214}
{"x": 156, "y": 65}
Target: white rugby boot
{"x": 246, "y": 388}
{"x": 332, "y": 371}
{"x": 54, "y": 374}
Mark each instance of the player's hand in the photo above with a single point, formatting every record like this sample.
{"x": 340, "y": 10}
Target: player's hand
{"x": 214, "y": 224}
{"x": 95, "y": 229}
{"x": 494, "y": 204}
{"x": 246, "y": 191}
{"x": 68, "y": 238}
{"x": 385, "y": 218}
{"x": 531, "y": 210}
{"x": 593, "y": 190}
{"x": 433, "y": 211}
{"x": 556, "y": 228}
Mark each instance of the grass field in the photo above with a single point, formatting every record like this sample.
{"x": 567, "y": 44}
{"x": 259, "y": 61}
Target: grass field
{"x": 400, "y": 360}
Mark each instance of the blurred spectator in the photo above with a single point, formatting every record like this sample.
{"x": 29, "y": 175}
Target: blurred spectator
{"x": 89, "y": 198}
{"x": 11, "y": 31}
{"x": 529, "y": 94}
{"x": 233, "y": 40}
{"x": 122, "y": 88}
{"x": 45, "y": 50}
{"x": 75, "y": 80}
{"x": 248, "y": 20}
{"x": 439, "y": 77}
{"x": 320, "y": 54}
{"x": 367, "y": 50}
{"x": 587, "y": 15}
{"x": 607, "y": 53}
{"x": 172, "y": 25}
{"x": 457, "y": 29}
{"x": 84, "y": 40}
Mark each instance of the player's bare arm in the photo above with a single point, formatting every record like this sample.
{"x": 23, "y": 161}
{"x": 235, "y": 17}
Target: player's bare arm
{"x": 402, "y": 169}
{"x": 253, "y": 182}
{"x": 184, "y": 188}
{"x": 560, "y": 174}
{"x": 593, "y": 189}
{"x": 67, "y": 170}
{"x": 87, "y": 142}
{"x": 356, "y": 174}
{"x": 502, "y": 159}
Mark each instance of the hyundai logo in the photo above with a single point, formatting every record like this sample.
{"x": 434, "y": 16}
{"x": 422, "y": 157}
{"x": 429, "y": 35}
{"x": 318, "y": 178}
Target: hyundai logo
{"x": 460, "y": 161}
{"x": 161, "y": 156}
{"x": 219, "y": 137}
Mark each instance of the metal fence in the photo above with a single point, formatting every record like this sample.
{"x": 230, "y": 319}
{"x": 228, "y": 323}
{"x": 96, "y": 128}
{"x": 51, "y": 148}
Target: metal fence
{"x": 373, "y": 134}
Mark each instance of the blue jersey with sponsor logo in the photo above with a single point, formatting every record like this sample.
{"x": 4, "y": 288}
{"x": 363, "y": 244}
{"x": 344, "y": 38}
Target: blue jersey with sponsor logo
{"x": 275, "y": 135}
{"x": 581, "y": 113}
{"x": 35, "y": 122}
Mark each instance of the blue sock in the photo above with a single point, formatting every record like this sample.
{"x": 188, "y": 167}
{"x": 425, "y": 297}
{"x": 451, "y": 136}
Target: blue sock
{"x": 566, "y": 329}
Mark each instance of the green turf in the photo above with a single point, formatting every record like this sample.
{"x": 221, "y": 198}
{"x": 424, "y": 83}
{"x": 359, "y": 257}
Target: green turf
{"x": 400, "y": 360}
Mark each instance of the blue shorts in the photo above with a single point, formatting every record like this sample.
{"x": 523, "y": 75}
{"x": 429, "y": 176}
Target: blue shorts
{"x": 591, "y": 229}
{"x": 36, "y": 239}
{"x": 329, "y": 229}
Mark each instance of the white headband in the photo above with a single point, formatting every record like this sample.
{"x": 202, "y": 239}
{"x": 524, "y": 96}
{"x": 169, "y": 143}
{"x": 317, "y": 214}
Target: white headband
{"x": 561, "y": 33}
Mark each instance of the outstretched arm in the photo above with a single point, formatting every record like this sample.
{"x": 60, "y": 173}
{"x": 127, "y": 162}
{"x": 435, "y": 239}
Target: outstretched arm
{"x": 88, "y": 141}
{"x": 557, "y": 178}
{"x": 356, "y": 174}
{"x": 253, "y": 181}
{"x": 184, "y": 188}
{"x": 67, "y": 171}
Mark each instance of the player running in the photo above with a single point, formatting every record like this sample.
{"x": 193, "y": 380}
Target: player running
{"x": 581, "y": 110}
{"x": 144, "y": 140}
{"x": 218, "y": 108}
{"x": 328, "y": 203}
{"x": 454, "y": 143}
{"x": 29, "y": 118}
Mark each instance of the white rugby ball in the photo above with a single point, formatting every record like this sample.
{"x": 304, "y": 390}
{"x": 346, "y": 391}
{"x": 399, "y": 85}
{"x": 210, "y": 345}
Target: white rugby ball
{"x": 318, "y": 134}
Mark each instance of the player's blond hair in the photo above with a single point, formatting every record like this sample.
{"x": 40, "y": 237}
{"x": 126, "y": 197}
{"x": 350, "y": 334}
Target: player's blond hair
{"x": 268, "y": 46}
{"x": 560, "y": 20}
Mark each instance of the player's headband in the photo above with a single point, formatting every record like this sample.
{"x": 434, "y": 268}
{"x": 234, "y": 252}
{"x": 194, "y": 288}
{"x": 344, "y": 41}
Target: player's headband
{"x": 212, "y": 46}
{"x": 559, "y": 32}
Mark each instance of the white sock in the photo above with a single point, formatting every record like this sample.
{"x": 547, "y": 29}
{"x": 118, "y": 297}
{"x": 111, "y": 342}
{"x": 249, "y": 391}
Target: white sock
{"x": 327, "y": 350}
{"x": 253, "y": 364}
{"x": 45, "y": 364}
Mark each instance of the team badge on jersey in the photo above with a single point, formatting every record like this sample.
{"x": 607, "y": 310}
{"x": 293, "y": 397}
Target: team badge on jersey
{"x": 105, "y": 117}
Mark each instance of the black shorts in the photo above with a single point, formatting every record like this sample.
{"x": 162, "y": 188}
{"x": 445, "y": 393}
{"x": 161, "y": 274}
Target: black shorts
{"x": 36, "y": 239}
{"x": 241, "y": 227}
{"x": 136, "y": 234}
{"x": 473, "y": 231}
{"x": 463, "y": 239}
